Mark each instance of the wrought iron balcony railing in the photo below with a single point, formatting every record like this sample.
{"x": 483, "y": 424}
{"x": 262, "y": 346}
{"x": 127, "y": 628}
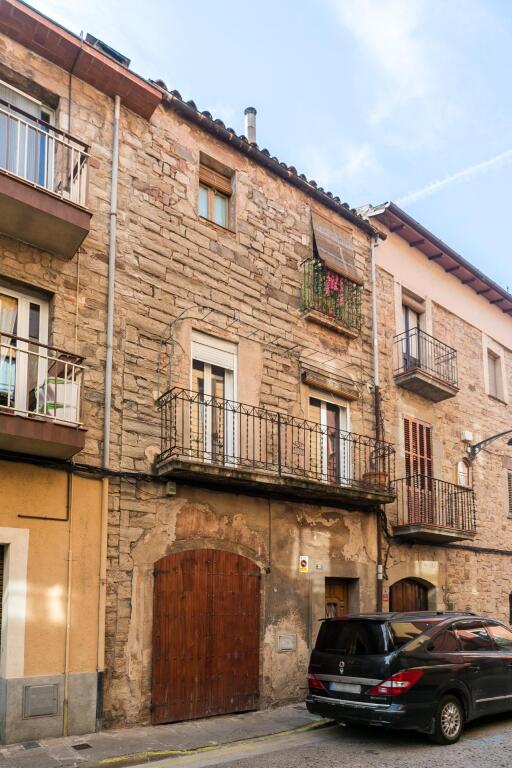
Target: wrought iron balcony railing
{"x": 43, "y": 155}
{"x": 213, "y": 431}
{"x": 331, "y": 294}
{"x": 432, "y": 503}
{"x": 38, "y": 380}
{"x": 416, "y": 350}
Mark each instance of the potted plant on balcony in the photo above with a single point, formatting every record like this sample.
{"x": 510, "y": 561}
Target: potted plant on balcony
{"x": 377, "y": 473}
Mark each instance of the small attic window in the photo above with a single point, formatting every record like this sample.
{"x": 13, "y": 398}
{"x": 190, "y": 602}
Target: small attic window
{"x": 215, "y": 195}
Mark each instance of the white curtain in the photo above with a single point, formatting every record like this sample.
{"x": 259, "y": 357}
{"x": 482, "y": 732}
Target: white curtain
{"x": 8, "y": 317}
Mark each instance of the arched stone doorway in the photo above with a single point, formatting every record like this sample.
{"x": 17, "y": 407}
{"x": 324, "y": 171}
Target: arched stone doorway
{"x": 408, "y": 595}
{"x": 206, "y": 615}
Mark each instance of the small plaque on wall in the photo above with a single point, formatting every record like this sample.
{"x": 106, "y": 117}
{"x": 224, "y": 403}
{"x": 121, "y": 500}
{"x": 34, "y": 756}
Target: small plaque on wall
{"x": 286, "y": 642}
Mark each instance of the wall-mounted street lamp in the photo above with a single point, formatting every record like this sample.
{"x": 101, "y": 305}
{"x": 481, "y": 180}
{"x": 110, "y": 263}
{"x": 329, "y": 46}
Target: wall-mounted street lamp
{"x": 474, "y": 450}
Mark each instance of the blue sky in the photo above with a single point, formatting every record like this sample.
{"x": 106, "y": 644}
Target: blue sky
{"x": 407, "y": 100}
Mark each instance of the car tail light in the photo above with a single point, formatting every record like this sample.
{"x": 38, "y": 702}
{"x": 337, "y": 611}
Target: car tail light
{"x": 314, "y": 682}
{"x": 399, "y": 683}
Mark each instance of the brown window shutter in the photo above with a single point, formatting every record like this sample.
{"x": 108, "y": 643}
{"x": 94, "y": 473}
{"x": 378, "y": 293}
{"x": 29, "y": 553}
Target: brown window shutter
{"x": 335, "y": 248}
{"x": 418, "y": 448}
{"x": 214, "y": 179}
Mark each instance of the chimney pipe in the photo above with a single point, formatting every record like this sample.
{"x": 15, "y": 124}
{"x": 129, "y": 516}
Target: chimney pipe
{"x": 250, "y": 124}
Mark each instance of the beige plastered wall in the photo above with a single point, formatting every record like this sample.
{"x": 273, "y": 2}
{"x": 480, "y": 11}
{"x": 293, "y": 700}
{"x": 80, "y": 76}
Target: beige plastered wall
{"x": 28, "y": 495}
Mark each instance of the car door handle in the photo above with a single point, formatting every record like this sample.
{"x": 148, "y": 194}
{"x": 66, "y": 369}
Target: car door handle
{"x": 509, "y": 665}
{"x": 474, "y": 667}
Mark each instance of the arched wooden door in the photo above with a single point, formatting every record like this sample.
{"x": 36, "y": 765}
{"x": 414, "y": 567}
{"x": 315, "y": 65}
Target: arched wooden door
{"x": 408, "y": 595}
{"x": 205, "y": 635}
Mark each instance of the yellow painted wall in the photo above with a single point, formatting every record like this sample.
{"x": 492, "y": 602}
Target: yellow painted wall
{"x": 29, "y": 494}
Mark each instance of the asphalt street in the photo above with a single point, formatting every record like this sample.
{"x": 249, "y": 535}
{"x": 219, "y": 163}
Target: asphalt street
{"x": 485, "y": 744}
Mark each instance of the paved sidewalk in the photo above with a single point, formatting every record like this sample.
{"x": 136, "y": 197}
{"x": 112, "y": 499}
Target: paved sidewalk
{"x": 128, "y": 746}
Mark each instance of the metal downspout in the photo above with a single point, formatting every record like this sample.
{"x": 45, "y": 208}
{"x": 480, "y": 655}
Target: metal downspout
{"x": 111, "y": 283}
{"x": 112, "y": 248}
{"x": 376, "y": 396}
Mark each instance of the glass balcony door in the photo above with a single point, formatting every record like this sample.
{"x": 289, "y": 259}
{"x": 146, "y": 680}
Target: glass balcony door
{"x": 331, "y": 453}
{"x": 212, "y": 417}
{"x": 23, "y": 369}
{"x": 411, "y": 338}
{"x": 26, "y": 146}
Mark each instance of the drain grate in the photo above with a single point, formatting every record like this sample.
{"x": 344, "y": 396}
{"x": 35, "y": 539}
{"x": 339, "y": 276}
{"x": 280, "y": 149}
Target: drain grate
{"x": 81, "y": 746}
{"x": 30, "y": 744}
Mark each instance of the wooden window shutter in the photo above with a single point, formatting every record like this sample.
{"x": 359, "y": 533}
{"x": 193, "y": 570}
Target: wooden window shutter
{"x": 214, "y": 179}
{"x": 418, "y": 448}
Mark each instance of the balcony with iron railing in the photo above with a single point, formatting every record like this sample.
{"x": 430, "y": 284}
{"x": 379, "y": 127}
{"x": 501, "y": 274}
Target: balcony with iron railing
{"x": 331, "y": 299}
{"x": 43, "y": 183}
{"x": 434, "y": 511}
{"x": 232, "y": 445}
{"x": 40, "y": 399}
{"x": 425, "y": 365}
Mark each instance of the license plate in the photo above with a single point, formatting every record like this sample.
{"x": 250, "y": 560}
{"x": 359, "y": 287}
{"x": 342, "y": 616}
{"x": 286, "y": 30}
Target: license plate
{"x": 345, "y": 688}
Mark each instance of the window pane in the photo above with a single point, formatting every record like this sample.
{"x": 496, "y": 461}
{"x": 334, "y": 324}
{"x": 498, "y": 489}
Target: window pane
{"x": 352, "y": 638}
{"x": 493, "y": 378}
{"x": 33, "y": 322}
{"x": 220, "y": 214}
{"x": 501, "y": 636}
{"x": 203, "y": 201}
{"x": 405, "y": 631}
{"x": 444, "y": 642}
{"x": 474, "y": 637}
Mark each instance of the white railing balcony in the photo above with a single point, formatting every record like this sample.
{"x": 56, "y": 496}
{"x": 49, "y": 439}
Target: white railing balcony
{"x": 43, "y": 155}
{"x": 39, "y": 381}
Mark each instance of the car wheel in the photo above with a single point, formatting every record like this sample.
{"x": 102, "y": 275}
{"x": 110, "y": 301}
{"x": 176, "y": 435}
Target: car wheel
{"x": 449, "y": 721}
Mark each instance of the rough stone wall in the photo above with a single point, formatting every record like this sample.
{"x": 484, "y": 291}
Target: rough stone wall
{"x": 76, "y": 287}
{"x": 177, "y": 273}
{"x": 466, "y": 580}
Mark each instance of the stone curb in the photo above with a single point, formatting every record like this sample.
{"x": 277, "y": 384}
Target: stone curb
{"x": 122, "y": 761}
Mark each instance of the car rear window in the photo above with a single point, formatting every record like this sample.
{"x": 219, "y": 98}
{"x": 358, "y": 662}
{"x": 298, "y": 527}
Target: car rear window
{"x": 353, "y": 638}
{"x": 403, "y": 632}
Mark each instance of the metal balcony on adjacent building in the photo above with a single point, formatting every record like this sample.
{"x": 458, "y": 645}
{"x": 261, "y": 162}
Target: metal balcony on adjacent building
{"x": 43, "y": 183}
{"x": 425, "y": 365}
{"x": 330, "y": 299}
{"x": 40, "y": 398}
{"x": 432, "y": 511}
{"x": 230, "y": 445}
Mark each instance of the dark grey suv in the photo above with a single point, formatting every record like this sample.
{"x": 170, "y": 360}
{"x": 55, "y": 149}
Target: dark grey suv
{"x": 432, "y": 672}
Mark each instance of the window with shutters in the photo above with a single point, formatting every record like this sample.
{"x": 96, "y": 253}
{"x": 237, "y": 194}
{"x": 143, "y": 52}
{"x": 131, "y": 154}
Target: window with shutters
{"x": 214, "y": 200}
{"x": 418, "y": 471}
{"x": 418, "y": 448}
{"x": 332, "y": 287}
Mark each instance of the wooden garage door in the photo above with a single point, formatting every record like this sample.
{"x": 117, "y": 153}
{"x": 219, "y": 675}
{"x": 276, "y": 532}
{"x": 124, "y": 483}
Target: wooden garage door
{"x": 205, "y": 635}
{"x": 408, "y": 595}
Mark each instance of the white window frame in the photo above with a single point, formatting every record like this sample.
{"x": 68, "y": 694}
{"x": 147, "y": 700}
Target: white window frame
{"x": 50, "y": 143}
{"x": 216, "y": 352}
{"x": 14, "y": 601}
{"x": 490, "y": 346}
{"x": 344, "y": 454}
{"x": 463, "y": 463}
{"x": 22, "y": 347}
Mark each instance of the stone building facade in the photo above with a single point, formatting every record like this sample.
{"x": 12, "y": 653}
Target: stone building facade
{"x": 243, "y": 442}
{"x": 459, "y": 327}
{"x": 290, "y": 468}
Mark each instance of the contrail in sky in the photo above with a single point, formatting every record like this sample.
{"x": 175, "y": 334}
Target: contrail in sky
{"x": 456, "y": 178}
